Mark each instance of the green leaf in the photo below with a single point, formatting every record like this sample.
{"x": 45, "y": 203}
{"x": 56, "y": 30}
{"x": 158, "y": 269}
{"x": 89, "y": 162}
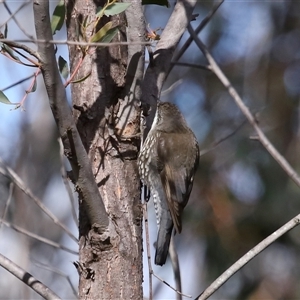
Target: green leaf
{"x": 99, "y": 12}
{"x": 101, "y": 33}
{"x": 58, "y": 17}
{"x": 4, "y": 99}
{"x": 110, "y": 34}
{"x": 63, "y": 67}
{"x": 157, "y": 2}
{"x": 116, "y": 8}
{"x": 81, "y": 79}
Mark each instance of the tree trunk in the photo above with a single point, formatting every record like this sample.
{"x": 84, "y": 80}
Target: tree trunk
{"x": 109, "y": 268}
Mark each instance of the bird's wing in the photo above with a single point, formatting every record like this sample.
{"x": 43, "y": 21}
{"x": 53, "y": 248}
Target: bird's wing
{"x": 176, "y": 173}
{"x": 171, "y": 190}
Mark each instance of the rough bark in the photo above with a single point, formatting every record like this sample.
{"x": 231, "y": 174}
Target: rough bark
{"x": 109, "y": 268}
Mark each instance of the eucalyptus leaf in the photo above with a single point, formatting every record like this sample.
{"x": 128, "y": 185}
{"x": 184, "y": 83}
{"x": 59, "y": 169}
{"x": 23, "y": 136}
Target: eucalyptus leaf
{"x": 116, "y": 8}
{"x": 110, "y": 34}
{"x": 4, "y": 99}
{"x": 101, "y": 33}
{"x": 63, "y": 67}
{"x": 58, "y": 17}
{"x": 99, "y": 12}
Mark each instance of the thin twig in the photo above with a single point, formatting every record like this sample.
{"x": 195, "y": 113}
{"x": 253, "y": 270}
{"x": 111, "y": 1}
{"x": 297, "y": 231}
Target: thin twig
{"x": 57, "y": 271}
{"x": 7, "y": 203}
{"x": 245, "y": 110}
{"x": 189, "y": 65}
{"x": 218, "y": 142}
{"x": 145, "y": 211}
{"x": 248, "y": 256}
{"x": 149, "y": 260}
{"x": 27, "y": 278}
{"x": 66, "y": 42}
{"x": 16, "y": 60}
{"x": 37, "y": 237}
{"x": 75, "y": 71}
{"x": 197, "y": 30}
{"x": 18, "y": 82}
{"x": 12, "y": 16}
{"x": 167, "y": 284}
{"x": 8, "y": 172}
{"x": 176, "y": 268}
{"x": 14, "y": 44}
{"x": 172, "y": 87}
{"x": 29, "y": 90}
{"x": 34, "y": 63}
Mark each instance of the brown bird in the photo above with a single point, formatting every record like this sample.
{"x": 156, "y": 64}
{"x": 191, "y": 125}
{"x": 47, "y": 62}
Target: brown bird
{"x": 167, "y": 164}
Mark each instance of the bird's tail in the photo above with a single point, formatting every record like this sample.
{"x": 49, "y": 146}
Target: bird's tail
{"x": 163, "y": 238}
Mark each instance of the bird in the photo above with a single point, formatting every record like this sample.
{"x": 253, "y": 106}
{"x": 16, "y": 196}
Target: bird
{"x": 167, "y": 164}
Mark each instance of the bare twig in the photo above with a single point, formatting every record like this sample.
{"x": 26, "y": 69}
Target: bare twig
{"x": 218, "y": 142}
{"x": 10, "y": 193}
{"x": 172, "y": 87}
{"x": 28, "y": 279}
{"x": 12, "y": 16}
{"x": 189, "y": 65}
{"x": 245, "y": 110}
{"x": 37, "y": 237}
{"x": 75, "y": 71}
{"x": 8, "y": 172}
{"x": 76, "y": 43}
{"x": 248, "y": 256}
{"x": 31, "y": 87}
{"x": 17, "y": 83}
{"x": 57, "y": 271}
{"x": 145, "y": 211}
{"x": 172, "y": 288}
{"x": 14, "y": 44}
{"x": 34, "y": 63}
{"x": 197, "y": 30}
{"x": 149, "y": 260}
{"x": 176, "y": 268}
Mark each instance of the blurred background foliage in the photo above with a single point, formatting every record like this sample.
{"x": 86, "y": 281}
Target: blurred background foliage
{"x": 240, "y": 196}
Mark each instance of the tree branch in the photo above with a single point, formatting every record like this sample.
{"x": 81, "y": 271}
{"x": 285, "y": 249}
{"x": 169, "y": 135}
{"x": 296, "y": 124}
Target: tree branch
{"x": 158, "y": 69}
{"x": 8, "y": 172}
{"x": 27, "y": 278}
{"x": 25, "y": 48}
{"x": 176, "y": 268}
{"x": 197, "y": 31}
{"x": 74, "y": 149}
{"x": 248, "y": 256}
{"x": 74, "y": 43}
{"x": 37, "y": 237}
{"x": 245, "y": 110}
